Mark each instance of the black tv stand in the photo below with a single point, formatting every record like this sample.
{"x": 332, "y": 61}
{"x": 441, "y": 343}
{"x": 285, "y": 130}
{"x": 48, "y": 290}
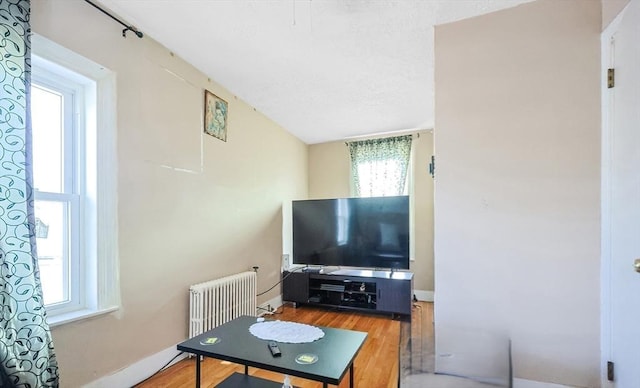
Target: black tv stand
{"x": 381, "y": 291}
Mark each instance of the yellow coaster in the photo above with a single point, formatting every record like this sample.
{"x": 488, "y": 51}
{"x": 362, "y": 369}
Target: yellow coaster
{"x": 306, "y": 358}
{"x": 210, "y": 341}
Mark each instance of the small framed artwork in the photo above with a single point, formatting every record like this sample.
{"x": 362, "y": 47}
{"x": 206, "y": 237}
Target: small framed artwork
{"x": 215, "y": 116}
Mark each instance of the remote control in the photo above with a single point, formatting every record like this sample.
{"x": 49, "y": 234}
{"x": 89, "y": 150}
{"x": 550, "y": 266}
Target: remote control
{"x": 273, "y": 348}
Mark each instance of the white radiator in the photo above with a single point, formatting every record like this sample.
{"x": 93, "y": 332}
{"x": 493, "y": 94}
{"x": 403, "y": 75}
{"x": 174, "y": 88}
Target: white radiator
{"x": 218, "y": 301}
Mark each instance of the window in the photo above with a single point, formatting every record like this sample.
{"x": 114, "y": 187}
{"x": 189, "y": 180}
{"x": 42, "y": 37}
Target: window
{"x": 73, "y": 160}
{"x": 58, "y": 183}
{"x": 379, "y": 166}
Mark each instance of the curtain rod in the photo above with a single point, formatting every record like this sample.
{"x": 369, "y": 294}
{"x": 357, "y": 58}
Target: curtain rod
{"x": 127, "y": 28}
{"x": 380, "y": 136}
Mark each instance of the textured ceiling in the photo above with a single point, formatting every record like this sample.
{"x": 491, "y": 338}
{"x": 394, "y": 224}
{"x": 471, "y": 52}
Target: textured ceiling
{"x": 322, "y": 69}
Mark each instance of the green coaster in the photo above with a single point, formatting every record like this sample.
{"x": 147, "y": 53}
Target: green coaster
{"x": 210, "y": 341}
{"x": 306, "y": 358}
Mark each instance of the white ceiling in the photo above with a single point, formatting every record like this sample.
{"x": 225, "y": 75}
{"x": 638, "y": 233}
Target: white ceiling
{"x": 322, "y": 69}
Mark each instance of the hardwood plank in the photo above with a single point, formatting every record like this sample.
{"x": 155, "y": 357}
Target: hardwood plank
{"x": 375, "y": 366}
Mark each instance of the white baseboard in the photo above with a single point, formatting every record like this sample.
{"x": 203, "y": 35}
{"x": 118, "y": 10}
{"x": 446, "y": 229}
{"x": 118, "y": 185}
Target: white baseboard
{"x": 275, "y": 302}
{"x": 522, "y": 383}
{"x": 135, "y": 373}
{"x": 425, "y": 296}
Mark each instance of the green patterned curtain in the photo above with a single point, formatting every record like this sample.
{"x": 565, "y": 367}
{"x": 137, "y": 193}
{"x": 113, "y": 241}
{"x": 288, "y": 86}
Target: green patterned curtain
{"x": 27, "y": 358}
{"x": 379, "y": 166}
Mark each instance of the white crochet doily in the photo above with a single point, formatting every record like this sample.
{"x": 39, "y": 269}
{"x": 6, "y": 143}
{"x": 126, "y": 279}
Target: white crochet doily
{"x": 288, "y": 332}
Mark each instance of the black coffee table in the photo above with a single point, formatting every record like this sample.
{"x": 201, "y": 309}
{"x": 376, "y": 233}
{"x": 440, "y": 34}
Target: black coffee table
{"x": 335, "y": 352}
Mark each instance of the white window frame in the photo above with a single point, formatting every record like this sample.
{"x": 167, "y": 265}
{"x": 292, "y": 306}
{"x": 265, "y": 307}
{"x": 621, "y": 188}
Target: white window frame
{"x": 72, "y": 195}
{"x": 97, "y": 288}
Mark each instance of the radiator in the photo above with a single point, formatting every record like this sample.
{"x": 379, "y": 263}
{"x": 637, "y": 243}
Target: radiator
{"x": 218, "y": 301}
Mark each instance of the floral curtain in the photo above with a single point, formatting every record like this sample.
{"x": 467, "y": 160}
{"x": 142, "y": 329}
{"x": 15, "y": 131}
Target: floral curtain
{"x": 379, "y": 166}
{"x": 27, "y": 358}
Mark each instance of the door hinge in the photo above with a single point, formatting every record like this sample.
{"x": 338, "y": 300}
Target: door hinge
{"x": 610, "y": 371}
{"x": 611, "y": 78}
{"x": 432, "y": 166}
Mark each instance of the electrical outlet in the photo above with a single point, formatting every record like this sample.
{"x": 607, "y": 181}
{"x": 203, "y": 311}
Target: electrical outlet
{"x": 285, "y": 261}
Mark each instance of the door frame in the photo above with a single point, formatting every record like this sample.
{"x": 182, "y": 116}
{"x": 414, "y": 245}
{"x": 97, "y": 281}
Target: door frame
{"x": 607, "y": 41}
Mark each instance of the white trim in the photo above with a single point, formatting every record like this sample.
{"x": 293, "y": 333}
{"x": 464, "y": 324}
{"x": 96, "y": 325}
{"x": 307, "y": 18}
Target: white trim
{"x": 61, "y": 319}
{"x": 606, "y": 351}
{"x": 522, "y": 383}
{"x": 65, "y": 58}
{"x": 275, "y": 303}
{"x": 107, "y": 191}
{"x": 69, "y": 87}
{"x": 425, "y": 296}
{"x": 410, "y": 186}
{"x": 101, "y": 239}
{"x": 135, "y": 373}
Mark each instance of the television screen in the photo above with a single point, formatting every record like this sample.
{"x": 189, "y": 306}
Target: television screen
{"x": 355, "y": 232}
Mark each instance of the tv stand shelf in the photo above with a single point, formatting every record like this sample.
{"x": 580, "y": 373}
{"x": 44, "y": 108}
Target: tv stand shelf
{"x": 366, "y": 290}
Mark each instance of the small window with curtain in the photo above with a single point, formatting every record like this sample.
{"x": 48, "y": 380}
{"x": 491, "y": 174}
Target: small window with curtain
{"x": 379, "y": 166}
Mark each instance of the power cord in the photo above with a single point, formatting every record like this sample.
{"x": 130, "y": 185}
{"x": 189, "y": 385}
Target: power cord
{"x": 159, "y": 370}
{"x": 281, "y": 280}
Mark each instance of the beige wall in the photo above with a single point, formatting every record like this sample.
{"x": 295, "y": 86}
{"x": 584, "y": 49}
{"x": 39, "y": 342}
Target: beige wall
{"x": 329, "y": 170}
{"x": 330, "y": 177}
{"x": 517, "y": 138}
{"x": 191, "y": 207}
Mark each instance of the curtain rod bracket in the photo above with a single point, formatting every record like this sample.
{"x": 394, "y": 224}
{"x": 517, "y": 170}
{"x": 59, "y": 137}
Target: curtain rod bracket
{"x": 138, "y": 33}
{"x": 132, "y": 29}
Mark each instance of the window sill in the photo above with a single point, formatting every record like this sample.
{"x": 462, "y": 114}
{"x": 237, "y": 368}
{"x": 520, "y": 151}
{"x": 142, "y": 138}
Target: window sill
{"x": 62, "y": 319}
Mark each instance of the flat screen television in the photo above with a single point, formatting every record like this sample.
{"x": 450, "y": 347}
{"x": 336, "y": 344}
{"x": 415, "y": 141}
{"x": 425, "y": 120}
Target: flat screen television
{"x": 355, "y": 232}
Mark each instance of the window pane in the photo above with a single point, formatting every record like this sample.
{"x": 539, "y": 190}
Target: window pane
{"x": 46, "y": 118}
{"x": 378, "y": 176}
{"x": 52, "y": 241}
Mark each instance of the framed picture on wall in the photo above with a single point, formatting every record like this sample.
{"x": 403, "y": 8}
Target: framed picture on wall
{"x": 215, "y": 116}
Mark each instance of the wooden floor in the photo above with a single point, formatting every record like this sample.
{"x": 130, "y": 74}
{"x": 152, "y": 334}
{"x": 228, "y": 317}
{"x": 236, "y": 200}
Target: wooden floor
{"x": 377, "y": 363}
